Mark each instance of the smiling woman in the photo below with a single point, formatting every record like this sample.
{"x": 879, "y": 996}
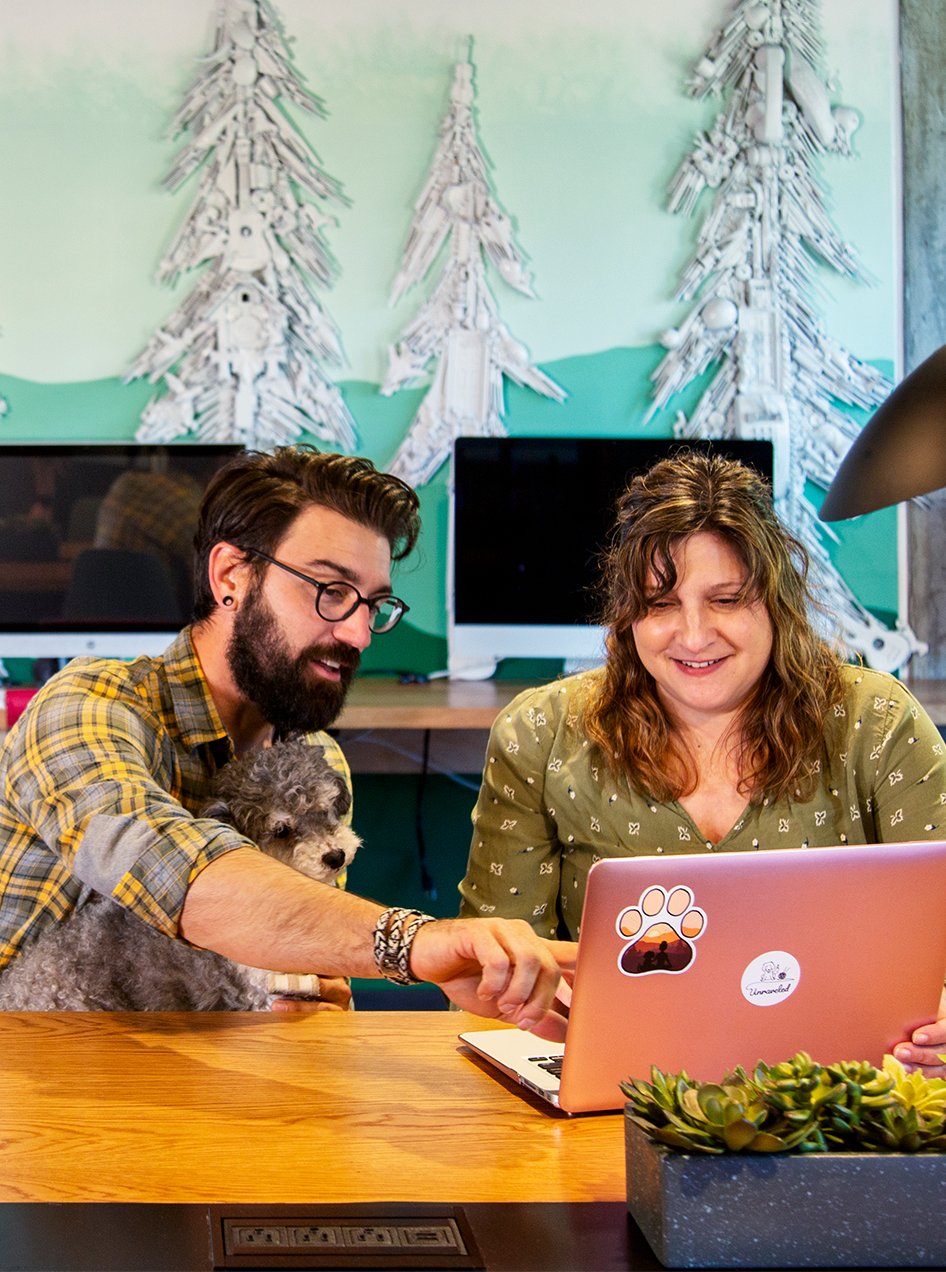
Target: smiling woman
{"x": 722, "y": 720}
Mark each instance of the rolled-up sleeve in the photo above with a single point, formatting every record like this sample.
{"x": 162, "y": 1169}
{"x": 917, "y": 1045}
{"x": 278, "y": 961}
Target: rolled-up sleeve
{"x": 90, "y": 786}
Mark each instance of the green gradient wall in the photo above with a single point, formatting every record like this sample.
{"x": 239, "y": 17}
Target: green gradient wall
{"x": 583, "y": 117}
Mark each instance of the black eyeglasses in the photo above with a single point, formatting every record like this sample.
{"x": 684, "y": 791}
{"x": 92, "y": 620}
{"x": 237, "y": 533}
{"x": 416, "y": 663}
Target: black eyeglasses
{"x": 337, "y": 601}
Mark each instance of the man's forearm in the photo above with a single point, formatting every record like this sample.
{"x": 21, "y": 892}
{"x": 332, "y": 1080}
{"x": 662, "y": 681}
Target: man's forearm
{"x": 257, "y": 911}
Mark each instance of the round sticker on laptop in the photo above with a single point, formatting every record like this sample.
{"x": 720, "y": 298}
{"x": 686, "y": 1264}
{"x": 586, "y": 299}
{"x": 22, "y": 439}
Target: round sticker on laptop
{"x": 770, "y": 978}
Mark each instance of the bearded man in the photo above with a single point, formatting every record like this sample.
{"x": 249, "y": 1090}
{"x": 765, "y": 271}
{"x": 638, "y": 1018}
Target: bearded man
{"x": 102, "y": 778}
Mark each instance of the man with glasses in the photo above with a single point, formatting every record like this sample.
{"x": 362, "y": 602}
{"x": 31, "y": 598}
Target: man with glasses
{"x": 101, "y": 779}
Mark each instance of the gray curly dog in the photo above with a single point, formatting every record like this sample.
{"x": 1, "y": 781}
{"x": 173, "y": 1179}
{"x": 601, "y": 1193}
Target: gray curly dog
{"x": 285, "y": 798}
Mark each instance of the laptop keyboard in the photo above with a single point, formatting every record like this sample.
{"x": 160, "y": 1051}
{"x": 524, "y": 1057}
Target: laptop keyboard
{"x": 551, "y": 1064}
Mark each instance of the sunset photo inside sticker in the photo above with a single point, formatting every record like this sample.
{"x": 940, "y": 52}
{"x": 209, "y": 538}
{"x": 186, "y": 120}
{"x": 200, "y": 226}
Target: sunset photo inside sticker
{"x": 663, "y": 926}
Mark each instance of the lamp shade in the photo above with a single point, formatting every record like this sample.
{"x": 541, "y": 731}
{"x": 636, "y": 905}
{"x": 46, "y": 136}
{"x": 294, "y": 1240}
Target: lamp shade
{"x": 901, "y": 452}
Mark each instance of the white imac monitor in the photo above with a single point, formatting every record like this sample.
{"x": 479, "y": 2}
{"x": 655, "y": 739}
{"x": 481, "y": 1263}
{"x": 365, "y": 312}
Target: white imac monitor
{"x": 529, "y": 518}
{"x": 96, "y": 546}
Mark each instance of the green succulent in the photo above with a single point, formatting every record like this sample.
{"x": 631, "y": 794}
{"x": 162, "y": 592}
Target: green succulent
{"x": 914, "y": 1120}
{"x": 796, "y": 1105}
{"x": 708, "y": 1117}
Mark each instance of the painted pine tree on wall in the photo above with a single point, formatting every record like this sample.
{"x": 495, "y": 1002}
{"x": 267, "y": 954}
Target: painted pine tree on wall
{"x": 779, "y": 374}
{"x": 241, "y": 359}
{"x": 459, "y": 324}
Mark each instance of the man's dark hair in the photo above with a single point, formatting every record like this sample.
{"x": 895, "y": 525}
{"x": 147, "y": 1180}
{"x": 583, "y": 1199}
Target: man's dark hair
{"x": 254, "y": 499}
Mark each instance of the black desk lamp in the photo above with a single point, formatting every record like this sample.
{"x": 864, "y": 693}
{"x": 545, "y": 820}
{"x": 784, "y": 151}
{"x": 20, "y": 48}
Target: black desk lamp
{"x": 901, "y": 452}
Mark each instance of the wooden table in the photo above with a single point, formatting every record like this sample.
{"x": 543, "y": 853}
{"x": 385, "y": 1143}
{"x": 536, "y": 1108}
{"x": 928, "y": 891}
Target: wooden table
{"x": 373, "y": 1106}
{"x": 145, "y": 1127}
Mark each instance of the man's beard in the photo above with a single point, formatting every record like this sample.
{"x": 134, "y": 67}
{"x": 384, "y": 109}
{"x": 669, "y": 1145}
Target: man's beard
{"x": 284, "y": 688}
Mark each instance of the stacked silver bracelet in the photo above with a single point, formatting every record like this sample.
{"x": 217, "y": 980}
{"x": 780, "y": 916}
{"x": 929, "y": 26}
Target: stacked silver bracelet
{"x": 393, "y": 937}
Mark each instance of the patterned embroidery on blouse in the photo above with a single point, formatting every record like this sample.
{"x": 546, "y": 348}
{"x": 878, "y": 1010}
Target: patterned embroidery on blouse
{"x": 942, "y": 798}
{"x": 634, "y": 828}
{"x": 843, "y": 758}
{"x": 512, "y": 748}
{"x": 895, "y": 777}
{"x": 897, "y": 818}
{"x": 783, "y": 825}
{"x": 594, "y": 858}
{"x": 839, "y": 711}
{"x": 509, "y": 823}
{"x": 855, "y": 813}
{"x": 509, "y": 792}
{"x": 683, "y": 832}
{"x": 571, "y": 793}
{"x": 555, "y": 766}
{"x": 880, "y": 704}
{"x": 937, "y": 749}
{"x": 816, "y": 767}
{"x": 870, "y": 803}
{"x": 539, "y": 910}
{"x": 487, "y": 909}
{"x": 595, "y": 824}
{"x": 820, "y": 817}
{"x": 546, "y": 868}
{"x": 594, "y": 773}
{"x": 496, "y": 867}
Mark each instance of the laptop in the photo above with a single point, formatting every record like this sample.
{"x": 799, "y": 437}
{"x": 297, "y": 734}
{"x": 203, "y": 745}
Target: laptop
{"x": 703, "y": 963}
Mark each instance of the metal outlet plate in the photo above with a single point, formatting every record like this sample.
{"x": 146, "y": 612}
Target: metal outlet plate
{"x": 326, "y": 1237}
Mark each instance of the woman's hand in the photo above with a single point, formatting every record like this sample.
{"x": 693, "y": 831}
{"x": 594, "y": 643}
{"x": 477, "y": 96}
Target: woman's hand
{"x": 927, "y": 1046}
{"x": 334, "y": 995}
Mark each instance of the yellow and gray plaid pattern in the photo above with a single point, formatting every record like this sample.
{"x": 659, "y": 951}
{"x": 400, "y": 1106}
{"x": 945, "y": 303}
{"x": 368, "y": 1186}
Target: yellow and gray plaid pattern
{"x": 100, "y": 783}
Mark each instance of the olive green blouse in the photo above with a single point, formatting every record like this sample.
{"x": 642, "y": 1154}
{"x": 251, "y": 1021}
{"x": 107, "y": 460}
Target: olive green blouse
{"x": 549, "y": 806}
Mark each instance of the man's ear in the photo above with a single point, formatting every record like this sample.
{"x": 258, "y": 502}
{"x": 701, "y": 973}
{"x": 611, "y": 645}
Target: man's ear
{"x": 229, "y": 573}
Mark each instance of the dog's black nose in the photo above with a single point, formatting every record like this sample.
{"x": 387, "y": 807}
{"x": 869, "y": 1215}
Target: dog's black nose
{"x": 334, "y": 859}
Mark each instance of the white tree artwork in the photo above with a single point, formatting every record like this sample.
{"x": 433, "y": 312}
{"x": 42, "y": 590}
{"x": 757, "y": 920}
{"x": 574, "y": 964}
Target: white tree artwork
{"x": 459, "y": 324}
{"x": 779, "y": 374}
{"x": 241, "y": 358}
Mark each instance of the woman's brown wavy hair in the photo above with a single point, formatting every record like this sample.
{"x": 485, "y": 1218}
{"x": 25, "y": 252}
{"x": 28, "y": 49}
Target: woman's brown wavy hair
{"x": 782, "y": 725}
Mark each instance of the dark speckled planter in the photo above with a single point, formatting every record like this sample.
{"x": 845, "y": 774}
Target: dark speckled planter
{"x": 821, "y": 1210}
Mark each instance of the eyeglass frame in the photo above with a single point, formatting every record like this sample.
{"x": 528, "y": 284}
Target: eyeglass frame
{"x": 320, "y": 588}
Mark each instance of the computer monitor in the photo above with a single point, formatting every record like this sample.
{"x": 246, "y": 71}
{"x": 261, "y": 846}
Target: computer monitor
{"x": 96, "y": 545}
{"x": 529, "y": 518}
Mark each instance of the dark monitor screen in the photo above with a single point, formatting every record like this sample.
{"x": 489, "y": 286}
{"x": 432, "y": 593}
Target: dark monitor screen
{"x": 532, "y": 515}
{"x": 98, "y": 538}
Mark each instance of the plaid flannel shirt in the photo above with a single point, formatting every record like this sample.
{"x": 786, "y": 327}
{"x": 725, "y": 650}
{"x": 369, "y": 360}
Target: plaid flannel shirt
{"x": 101, "y": 781}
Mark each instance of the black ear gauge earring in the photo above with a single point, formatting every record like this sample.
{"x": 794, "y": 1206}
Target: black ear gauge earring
{"x": 228, "y": 601}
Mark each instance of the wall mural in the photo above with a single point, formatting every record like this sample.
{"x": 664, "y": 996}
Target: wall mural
{"x": 753, "y": 275}
{"x": 241, "y": 358}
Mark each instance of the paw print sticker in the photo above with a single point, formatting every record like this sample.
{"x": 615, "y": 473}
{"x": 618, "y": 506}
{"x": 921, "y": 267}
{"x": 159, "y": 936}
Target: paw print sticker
{"x": 663, "y": 927}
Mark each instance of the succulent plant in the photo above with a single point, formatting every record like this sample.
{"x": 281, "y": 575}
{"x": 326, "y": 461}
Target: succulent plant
{"x": 796, "y": 1105}
{"x": 708, "y": 1117}
{"x": 914, "y": 1121}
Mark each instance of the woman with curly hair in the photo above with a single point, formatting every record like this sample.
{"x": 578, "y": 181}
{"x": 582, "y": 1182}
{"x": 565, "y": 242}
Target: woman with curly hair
{"x": 721, "y": 722}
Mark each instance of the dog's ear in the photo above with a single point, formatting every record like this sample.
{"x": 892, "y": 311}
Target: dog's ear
{"x": 343, "y": 797}
{"x": 218, "y": 810}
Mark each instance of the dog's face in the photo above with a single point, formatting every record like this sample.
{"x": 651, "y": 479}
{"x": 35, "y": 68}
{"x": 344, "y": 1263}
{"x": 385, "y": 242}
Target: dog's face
{"x": 287, "y": 799}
